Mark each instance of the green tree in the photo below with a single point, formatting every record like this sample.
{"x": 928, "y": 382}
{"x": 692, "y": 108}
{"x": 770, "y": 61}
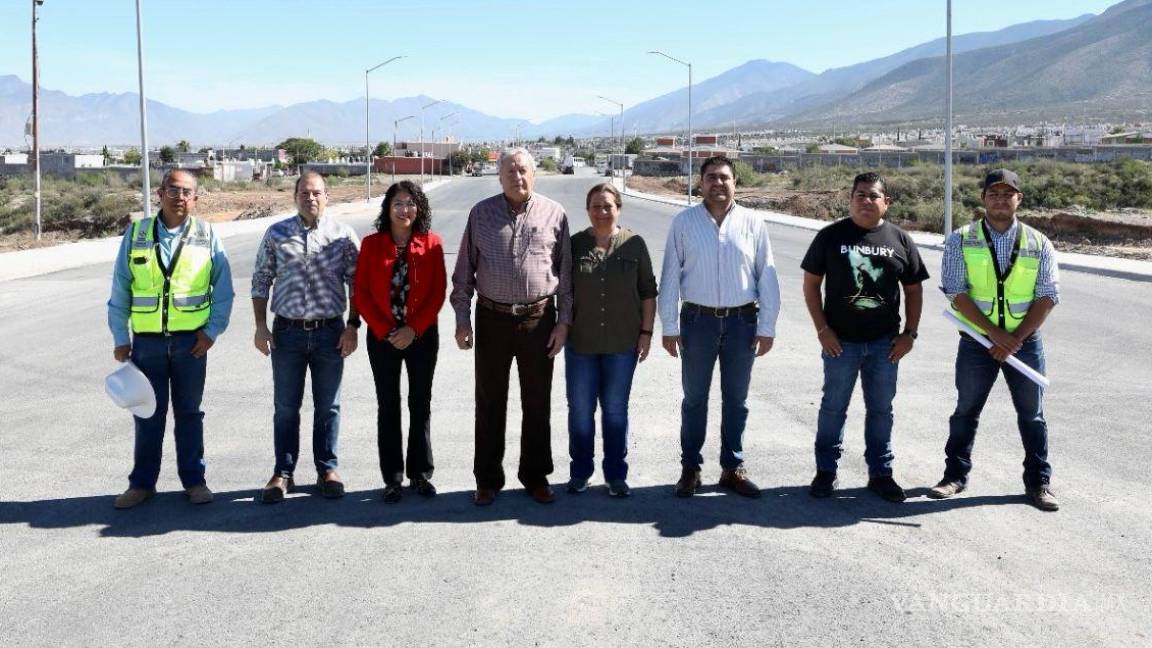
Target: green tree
{"x": 167, "y": 154}
{"x": 184, "y": 147}
{"x": 301, "y": 150}
{"x": 460, "y": 159}
{"x": 132, "y": 156}
{"x": 635, "y": 146}
{"x": 559, "y": 141}
{"x": 383, "y": 149}
{"x": 106, "y": 155}
{"x": 548, "y": 164}
{"x": 480, "y": 155}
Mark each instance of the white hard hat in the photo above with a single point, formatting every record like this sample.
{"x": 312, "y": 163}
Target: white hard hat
{"x": 129, "y": 388}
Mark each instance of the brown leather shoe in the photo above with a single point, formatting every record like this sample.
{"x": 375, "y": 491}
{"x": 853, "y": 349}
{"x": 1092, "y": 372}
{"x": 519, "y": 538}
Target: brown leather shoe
{"x": 736, "y": 480}
{"x": 543, "y": 494}
{"x": 1042, "y": 498}
{"x": 330, "y": 485}
{"x": 133, "y": 497}
{"x": 276, "y": 489}
{"x": 689, "y": 482}
{"x": 484, "y": 496}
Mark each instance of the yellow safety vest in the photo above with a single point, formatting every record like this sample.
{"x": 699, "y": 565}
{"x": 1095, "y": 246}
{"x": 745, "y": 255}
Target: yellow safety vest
{"x": 176, "y": 298}
{"x": 1003, "y": 300}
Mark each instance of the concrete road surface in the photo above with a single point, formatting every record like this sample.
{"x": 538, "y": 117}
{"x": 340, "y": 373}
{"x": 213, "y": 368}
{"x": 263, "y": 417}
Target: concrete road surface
{"x": 983, "y": 569}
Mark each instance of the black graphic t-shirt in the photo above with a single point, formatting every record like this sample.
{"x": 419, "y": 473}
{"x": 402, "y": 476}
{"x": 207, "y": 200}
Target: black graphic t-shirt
{"x": 863, "y": 271}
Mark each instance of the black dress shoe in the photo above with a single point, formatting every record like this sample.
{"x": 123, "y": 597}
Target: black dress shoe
{"x": 330, "y": 485}
{"x": 392, "y": 493}
{"x": 423, "y": 487}
{"x": 484, "y": 496}
{"x": 887, "y": 488}
{"x": 823, "y": 484}
{"x": 276, "y": 489}
{"x": 543, "y": 494}
{"x": 689, "y": 482}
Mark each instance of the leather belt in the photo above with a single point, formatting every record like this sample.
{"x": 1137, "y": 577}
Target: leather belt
{"x": 534, "y": 308}
{"x": 307, "y": 325}
{"x": 750, "y": 307}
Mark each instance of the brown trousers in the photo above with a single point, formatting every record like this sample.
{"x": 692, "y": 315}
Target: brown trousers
{"x": 500, "y": 338}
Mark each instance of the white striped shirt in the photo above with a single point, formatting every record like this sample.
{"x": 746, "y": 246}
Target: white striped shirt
{"x": 719, "y": 266}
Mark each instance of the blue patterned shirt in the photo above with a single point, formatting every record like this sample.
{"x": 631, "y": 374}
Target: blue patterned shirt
{"x": 954, "y": 275}
{"x": 308, "y": 270}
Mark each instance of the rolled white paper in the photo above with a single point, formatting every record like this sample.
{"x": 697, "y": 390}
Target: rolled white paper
{"x": 1029, "y": 372}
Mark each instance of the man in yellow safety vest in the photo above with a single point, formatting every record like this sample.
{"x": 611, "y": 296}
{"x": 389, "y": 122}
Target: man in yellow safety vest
{"x": 172, "y": 286}
{"x": 1002, "y": 279}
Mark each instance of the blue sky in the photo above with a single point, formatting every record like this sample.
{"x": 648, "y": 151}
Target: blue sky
{"x": 533, "y": 60}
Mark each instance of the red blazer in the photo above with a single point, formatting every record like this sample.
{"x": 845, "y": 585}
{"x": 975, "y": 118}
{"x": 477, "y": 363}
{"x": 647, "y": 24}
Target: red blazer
{"x": 427, "y": 282}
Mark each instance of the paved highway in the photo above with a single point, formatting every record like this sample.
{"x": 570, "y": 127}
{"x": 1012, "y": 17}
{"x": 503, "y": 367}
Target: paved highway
{"x": 982, "y": 569}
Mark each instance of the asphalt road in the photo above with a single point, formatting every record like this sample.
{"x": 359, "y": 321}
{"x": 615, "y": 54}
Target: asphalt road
{"x": 982, "y": 569}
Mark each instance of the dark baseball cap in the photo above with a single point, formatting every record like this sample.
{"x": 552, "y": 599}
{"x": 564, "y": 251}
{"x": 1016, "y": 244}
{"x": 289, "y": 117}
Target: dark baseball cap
{"x": 1002, "y": 176}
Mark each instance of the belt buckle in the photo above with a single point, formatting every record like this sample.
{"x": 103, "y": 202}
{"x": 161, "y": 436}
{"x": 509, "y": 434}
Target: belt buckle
{"x": 311, "y": 325}
{"x": 519, "y": 309}
{"x": 723, "y": 312}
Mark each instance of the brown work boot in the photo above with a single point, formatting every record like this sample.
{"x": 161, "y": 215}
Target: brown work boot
{"x": 133, "y": 497}
{"x": 946, "y": 488}
{"x": 1042, "y": 498}
{"x": 199, "y": 494}
{"x": 689, "y": 482}
{"x": 736, "y": 480}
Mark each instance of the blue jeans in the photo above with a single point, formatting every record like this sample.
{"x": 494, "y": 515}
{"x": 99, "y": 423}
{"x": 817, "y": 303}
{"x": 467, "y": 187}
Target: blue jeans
{"x": 877, "y": 374}
{"x": 976, "y": 372}
{"x": 296, "y": 352}
{"x": 167, "y": 361}
{"x": 607, "y": 378}
{"x": 704, "y": 340}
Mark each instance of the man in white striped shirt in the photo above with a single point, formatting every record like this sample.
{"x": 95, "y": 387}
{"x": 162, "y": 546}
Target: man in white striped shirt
{"x": 719, "y": 300}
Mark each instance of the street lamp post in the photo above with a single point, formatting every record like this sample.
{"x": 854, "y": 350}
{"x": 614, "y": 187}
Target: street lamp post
{"x": 623, "y": 146}
{"x": 146, "y": 183}
{"x": 367, "y": 111}
{"x": 36, "y": 196}
{"x": 395, "y": 125}
{"x": 691, "y": 148}
{"x": 948, "y": 130}
{"x": 442, "y": 118}
{"x": 422, "y": 108}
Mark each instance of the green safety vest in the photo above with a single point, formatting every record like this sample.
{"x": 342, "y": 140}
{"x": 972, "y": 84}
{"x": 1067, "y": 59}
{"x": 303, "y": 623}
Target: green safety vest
{"x": 176, "y": 298}
{"x": 1003, "y": 300}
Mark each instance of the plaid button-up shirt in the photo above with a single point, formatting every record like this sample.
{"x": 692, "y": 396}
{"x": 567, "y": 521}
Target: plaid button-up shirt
{"x": 309, "y": 271}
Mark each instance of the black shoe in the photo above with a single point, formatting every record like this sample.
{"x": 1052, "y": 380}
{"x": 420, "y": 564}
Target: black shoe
{"x": 423, "y": 487}
{"x": 736, "y": 480}
{"x": 689, "y": 482}
{"x": 823, "y": 484}
{"x": 1042, "y": 498}
{"x": 330, "y": 485}
{"x": 392, "y": 493}
{"x": 887, "y": 488}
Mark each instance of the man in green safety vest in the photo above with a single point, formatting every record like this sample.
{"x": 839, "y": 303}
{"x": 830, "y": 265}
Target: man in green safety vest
{"x": 172, "y": 286}
{"x": 1002, "y": 279}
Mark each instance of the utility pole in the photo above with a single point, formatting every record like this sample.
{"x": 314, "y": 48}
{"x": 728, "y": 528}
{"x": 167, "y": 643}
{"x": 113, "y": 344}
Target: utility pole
{"x": 36, "y": 196}
{"x": 146, "y": 183}
{"x": 948, "y": 133}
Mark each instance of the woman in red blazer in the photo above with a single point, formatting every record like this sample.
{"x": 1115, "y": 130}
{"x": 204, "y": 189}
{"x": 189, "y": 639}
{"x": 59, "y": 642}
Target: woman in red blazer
{"x": 399, "y": 288}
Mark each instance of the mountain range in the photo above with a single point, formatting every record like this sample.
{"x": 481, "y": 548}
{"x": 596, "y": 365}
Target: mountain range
{"x": 1089, "y": 66}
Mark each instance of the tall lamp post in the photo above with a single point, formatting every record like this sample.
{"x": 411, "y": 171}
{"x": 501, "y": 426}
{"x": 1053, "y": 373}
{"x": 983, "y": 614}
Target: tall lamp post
{"x": 36, "y": 120}
{"x": 367, "y": 135}
{"x": 434, "y": 126}
{"x": 395, "y": 125}
{"x": 146, "y": 182}
{"x": 948, "y": 130}
{"x": 422, "y": 109}
{"x": 691, "y": 148}
{"x": 623, "y": 146}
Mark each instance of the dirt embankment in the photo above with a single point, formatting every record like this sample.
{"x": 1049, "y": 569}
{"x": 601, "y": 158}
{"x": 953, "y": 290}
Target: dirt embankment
{"x": 1122, "y": 233}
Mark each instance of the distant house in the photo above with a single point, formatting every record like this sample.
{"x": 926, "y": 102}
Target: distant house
{"x": 1131, "y": 137}
{"x": 838, "y": 149}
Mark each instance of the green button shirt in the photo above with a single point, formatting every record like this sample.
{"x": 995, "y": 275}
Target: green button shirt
{"x": 608, "y": 290}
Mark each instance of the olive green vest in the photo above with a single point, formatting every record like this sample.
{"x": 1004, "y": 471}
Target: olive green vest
{"x": 179, "y": 298}
{"x": 1004, "y": 303}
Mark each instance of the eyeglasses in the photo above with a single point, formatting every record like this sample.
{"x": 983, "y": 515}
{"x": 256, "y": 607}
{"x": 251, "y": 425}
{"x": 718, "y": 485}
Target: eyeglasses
{"x": 403, "y": 204}
{"x": 177, "y": 192}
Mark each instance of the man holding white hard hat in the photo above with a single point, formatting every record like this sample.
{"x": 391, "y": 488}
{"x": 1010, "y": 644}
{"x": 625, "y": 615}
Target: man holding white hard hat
{"x": 172, "y": 286}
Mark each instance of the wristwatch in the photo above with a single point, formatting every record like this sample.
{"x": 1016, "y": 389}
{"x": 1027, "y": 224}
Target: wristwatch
{"x": 911, "y": 334}
{"x": 354, "y": 323}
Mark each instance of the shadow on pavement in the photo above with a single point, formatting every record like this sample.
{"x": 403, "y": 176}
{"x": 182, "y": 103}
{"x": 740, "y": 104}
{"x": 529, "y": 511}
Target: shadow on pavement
{"x": 238, "y": 512}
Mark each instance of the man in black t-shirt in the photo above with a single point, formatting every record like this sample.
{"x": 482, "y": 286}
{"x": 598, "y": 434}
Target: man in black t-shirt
{"x": 864, "y": 264}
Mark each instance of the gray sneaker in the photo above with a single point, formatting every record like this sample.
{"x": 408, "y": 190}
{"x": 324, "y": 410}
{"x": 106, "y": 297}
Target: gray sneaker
{"x": 619, "y": 488}
{"x": 576, "y": 486}
{"x": 1042, "y": 498}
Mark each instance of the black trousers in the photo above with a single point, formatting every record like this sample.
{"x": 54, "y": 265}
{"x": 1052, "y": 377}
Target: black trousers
{"x": 500, "y": 338}
{"x": 420, "y": 358}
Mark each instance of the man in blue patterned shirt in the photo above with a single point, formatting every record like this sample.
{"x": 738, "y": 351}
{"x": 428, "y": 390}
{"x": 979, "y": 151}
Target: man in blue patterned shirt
{"x": 1001, "y": 277}
{"x": 307, "y": 262}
